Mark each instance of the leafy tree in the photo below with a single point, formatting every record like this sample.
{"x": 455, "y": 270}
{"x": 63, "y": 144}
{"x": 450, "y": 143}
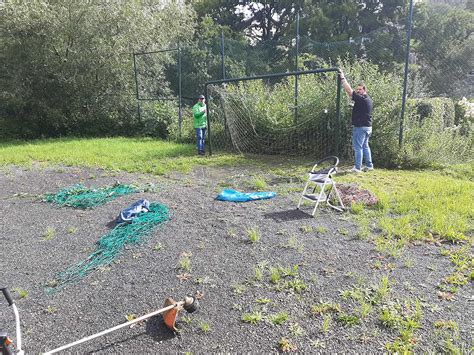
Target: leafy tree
{"x": 69, "y": 64}
{"x": 326, "y": 27}
{"x": 444, "y": 46}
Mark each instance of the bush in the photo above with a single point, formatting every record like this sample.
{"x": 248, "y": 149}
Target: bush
{"x": 431, "y": 136}
{"x": 67, "y": 66}
{"x": 464, "y": 115}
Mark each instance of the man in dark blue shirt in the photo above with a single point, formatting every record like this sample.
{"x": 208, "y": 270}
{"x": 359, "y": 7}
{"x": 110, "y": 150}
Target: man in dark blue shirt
{"x": 361, "y": 124}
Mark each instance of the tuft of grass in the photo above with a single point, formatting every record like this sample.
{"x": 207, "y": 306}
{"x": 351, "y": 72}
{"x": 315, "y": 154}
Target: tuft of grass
{"x": 285, "y": 345}
{"x": 321, "y": 230}
{"x": 366, "y": 296}
{"x": 263, "y": 300}
{"x": 382, "y": 290}
{"x": 204, "y": 326}
{"x": 51, "y": 309}
{"x": 232, "y": 232}
{"x": 129, "y": 317}
{"x": 449, "y": 324}
{"x": 72, "y": 230}
{"x": 259, "y": 183}
{"x": 364, "y": 309}
{"x": 275, "y": 275}
{"x": 239, "y": 289}
{"x": 296, "y": 330}
{"x": 49, "y": 234}
{"x": 184, "y": 263}
{"x": 187, "y": 319}
{"x": 290, "y": 271}
{"x": 278, "y": 318}
{"x": 296, "y": 285}
{"x": 343, "y": 231}
{"x": 408, "y": 263}
{"x": 253, "y": 235}
{"x": 293, "y": 243}
{"x": 306, "y": 229}
{"x": 348, "y": 319}
{"x": 279, "y": 272}
{"x": 258, "y": 273}
{"x": 404, "y": 317}
{"x": 392, "y": 247}
{"x": 325, "y": 308}
{"x": 21, "y": 292}
{"x": 158, "y": 247}
{"x": 463, "y": 261}
{"x": 326, "y": 323}
{"x": 357, "y": 208}
{"x": 252, "y": 318}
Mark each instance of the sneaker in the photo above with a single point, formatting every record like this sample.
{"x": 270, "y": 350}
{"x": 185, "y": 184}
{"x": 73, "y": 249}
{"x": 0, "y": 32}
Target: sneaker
{"x": 368, "y": 169}
{"x": 355, "y": 170}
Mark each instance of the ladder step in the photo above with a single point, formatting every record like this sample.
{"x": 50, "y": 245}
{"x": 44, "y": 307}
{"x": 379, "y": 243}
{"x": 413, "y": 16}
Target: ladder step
{"x": 314, "y": 198}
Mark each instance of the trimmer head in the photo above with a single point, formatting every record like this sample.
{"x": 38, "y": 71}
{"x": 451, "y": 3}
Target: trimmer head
{"x": 190, "y": 304}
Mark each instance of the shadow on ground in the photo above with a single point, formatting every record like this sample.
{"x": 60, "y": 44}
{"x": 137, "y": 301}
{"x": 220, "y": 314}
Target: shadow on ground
{"x": 289, "y": 215}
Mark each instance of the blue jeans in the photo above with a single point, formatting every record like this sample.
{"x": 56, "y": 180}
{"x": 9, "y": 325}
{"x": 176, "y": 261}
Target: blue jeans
{"x": 201, "y": 138}
{"x": 360, "y": 143}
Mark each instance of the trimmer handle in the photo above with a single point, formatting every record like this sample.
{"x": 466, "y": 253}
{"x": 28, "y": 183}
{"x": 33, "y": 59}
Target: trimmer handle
{"x": 7, "y": 295}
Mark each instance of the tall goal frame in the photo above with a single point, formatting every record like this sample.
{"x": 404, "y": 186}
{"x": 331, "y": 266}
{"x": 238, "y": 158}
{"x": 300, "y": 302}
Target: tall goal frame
{"x": 279, "y": 75}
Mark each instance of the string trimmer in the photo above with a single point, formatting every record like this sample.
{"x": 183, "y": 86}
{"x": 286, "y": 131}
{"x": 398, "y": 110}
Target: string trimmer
{"x": 170, "y": 313}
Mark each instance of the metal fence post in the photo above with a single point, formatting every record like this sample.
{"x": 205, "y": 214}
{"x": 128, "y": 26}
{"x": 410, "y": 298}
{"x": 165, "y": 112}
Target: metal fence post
{"x": 405, "y": 78}
{"x": 296, "y": 65}
{"x": 222, "y": 54}
{"x": 338, "y": 114}
{"x": 136, "y": 86}
{"x": 180, "y": 114}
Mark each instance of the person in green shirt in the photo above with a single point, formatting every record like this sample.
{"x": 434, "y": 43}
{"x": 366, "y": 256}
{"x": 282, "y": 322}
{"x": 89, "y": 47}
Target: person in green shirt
{"x": 200, "y": 123}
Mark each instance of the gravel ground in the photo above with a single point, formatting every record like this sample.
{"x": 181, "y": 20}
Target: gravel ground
{"x": 330, "y": 260}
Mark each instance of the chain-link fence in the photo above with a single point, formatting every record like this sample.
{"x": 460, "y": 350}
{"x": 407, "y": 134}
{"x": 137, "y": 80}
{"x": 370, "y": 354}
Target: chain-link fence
{"x": 439, "y": 65}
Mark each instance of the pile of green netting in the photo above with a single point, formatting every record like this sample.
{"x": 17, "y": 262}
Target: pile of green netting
{"x": 110, "y": 245}
{"x": 79, "y": 196}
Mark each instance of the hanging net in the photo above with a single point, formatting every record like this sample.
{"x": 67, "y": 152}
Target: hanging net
{"x": 263, "y": 117}
{"x": 79, "y": 196}
{"x": 111, "y": 245}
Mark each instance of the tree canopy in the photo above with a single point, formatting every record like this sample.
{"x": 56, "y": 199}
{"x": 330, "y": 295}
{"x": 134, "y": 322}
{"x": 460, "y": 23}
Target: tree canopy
{"x": 67, "y": 67}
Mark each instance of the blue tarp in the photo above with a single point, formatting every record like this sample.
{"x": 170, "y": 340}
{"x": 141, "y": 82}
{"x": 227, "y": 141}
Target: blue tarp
{"x": 237, "y": 196}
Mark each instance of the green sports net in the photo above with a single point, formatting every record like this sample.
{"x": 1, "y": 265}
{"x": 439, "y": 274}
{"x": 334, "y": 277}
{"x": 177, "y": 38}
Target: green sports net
{"x": 111, "y": 245}
{"x": 79, "y": 196}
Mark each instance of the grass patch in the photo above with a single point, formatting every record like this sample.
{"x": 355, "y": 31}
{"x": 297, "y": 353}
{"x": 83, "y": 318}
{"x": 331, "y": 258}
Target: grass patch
{"x": 420, "y": 205}
{"x": 205, "y": 327}
{"x": 259, "y": 183}
{"x": 144, "y": 155}
{"x": 325, "y": 308}
{"x": 463, "y": 261}
{"x": 21, "y": 292}
{"x": 49, "y": 234}
{"x": 278, "y": 318}
{"x": 286, "y": 345}
{"x": 252, "y": 318}
{"x": 254, "y": 235}
{"x": 406, "y": 318}
{"x": 184, "y": 262}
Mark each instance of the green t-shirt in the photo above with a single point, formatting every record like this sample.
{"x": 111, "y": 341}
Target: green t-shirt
{"x": 200, "y": 116}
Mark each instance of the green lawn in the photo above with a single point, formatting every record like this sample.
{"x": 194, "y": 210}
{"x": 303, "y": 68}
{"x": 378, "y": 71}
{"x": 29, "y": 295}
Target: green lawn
{"x": 127, "y": 154}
